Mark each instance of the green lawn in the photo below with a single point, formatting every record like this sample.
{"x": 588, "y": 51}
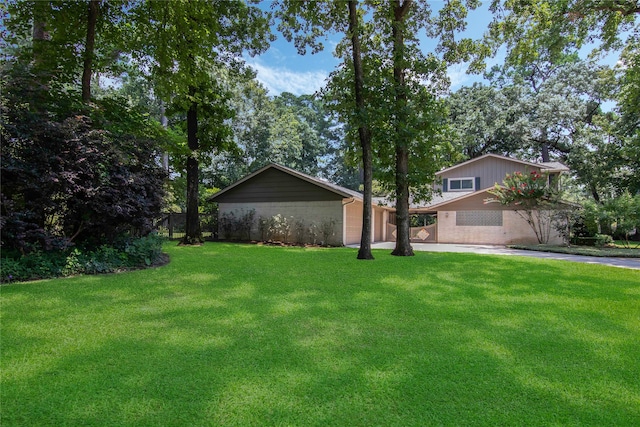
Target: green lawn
{"x": 241, "y": 335}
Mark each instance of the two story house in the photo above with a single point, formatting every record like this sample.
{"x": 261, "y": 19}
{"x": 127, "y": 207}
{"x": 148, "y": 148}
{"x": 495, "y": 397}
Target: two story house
{"x": 461, "y": 212}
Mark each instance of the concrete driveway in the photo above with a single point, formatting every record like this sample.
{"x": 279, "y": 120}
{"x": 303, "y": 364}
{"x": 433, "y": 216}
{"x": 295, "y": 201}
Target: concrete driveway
{"x": 633, "y": 263}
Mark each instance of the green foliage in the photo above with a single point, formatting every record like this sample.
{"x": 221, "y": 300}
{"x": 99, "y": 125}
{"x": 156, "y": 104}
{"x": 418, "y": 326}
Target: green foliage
{"x": 524, "y": 190}
{"x": 327, "y": 230}
{"x": 552, "y": 31}
{"x": 294, "y": 131}
{"x": 419, "y": 125}
{"x": 598, "y": 240}
{"x": 554, "y": 28}
{"x": 533, "y": 198}
{"x": 126, "y": 254}
{"x": 193, "y": 57}
{"x": 619, "y": 215}
{"x": 480, "y": 117}
{"x": 564, "y": 221}
{"x": 624, "y": 214}
{"x": 77, "y": 179}
{"x": 386, "y": 90}
{"x": 280, "y": 228}
{"x": 143, "y": 251}
{"x": 603, "y": 240}
{"x": 195, "y": 53}
{"x": 36, "y": 265}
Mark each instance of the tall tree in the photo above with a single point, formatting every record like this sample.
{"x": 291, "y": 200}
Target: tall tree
{"x": 553, "y": 102}
{"x": 401, "y": 9}
{"x": 69, "y": 176}
{"x": 400, "y": 86}
{"x": 557, "y": 28}
{"x": 364, "y": 133}
{"x": 295, "y": 131}
{"x": 412, "y": 81}
{"x": 89, "y": 46}
{"x": 70, "y": 41}
{"x": 191, "y": 40}
{"x": 479, "y": 117}
{"x": 310, "y": 20}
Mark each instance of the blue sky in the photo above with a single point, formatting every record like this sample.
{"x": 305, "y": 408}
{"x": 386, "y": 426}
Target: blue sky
{"x": 281, "y": 69}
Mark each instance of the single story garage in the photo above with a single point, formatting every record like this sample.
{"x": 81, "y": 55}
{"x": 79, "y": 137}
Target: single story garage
{"x": 298, "y": 208}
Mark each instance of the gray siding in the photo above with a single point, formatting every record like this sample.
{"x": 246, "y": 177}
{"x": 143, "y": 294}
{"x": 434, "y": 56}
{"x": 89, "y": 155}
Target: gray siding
{"x": 273, "y": 185}
{"x": 490, "y": 170}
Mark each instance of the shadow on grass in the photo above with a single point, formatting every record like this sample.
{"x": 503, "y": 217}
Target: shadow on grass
{"x": 240, "y": 335}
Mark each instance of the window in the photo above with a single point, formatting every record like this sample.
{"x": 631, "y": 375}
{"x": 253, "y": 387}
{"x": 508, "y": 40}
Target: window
{"x": 461, "y": 184}
{"x": 479, "y": 218}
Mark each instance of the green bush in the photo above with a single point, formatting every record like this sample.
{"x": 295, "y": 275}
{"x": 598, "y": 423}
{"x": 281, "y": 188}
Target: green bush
{"x": 144, "y": 251}
{"x": 129, "y": 253}
{"x": 599, "y": 240}
{"x": 603, "y": 240}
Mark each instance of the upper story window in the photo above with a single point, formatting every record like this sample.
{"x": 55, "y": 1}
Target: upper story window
{"x": 461, "y": 184}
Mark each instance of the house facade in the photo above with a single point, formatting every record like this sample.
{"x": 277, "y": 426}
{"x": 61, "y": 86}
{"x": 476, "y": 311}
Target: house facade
{"x": 321, "y": 212}
{"x": 315, "y": 211}
{"x": 462, "y": 212}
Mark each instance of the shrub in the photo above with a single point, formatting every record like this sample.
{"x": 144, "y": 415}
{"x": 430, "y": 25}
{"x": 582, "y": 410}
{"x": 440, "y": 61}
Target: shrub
{"x": 280, "y": 228}
{"x": 532, "y": 199}
{"x": 38, "y": 264}
{"x": 237, "y": 224}
{"x": 603, "y": 240}
{"x": 313, "y": 232}
{"x": 144, "y": 251}
{"x": 328, "y": 230}
{"x": 265, "y": 227}
{"x": 300, "y": 231}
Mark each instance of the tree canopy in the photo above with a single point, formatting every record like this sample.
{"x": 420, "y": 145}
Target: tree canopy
{"x": 72, "y": 146}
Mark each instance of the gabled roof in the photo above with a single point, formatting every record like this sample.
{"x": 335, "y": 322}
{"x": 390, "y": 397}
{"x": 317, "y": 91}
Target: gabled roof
{"x": 436, "y": 200}
{"x": 440, "y": 202}
{"x": 554, "y": 167}
{"x": 546, "y": 166}
{"x": 444, "y": 198}
{"x": 341, "y": 191}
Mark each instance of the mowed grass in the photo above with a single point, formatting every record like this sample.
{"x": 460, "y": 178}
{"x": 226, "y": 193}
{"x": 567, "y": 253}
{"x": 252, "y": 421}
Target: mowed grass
{"x": 242, "y": 335}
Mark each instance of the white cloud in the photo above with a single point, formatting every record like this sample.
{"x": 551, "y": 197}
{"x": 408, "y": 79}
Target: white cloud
{"x": 278, "y": 80}
{"x": 282, "y": 79}
{"x": 458, "y": 76}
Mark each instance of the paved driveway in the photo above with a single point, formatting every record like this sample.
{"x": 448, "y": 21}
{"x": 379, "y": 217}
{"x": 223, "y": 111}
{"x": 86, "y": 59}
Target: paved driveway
{"x": 633, "y": 263}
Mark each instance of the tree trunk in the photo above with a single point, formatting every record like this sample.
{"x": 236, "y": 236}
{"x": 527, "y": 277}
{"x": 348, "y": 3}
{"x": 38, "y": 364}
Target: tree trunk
{"x": 403, "y": 231}
{"x": 89, "y": 47}
{"x": 39, "y": 34}
{"x": 193, "y": 234}
{"x": 545, "y": 152}
{"x": 364, "y": 133}
{"x": 164, "y": 121}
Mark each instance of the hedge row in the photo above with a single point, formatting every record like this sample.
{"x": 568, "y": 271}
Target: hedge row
{"x": 128, "y": 254}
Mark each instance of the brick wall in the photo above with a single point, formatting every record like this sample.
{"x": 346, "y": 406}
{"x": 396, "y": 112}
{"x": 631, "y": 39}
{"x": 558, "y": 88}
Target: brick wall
{"x": 514, "y": 230}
